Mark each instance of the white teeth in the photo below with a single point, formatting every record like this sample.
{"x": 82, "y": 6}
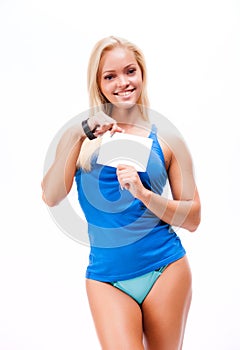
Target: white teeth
{"x": 124, "y": 93}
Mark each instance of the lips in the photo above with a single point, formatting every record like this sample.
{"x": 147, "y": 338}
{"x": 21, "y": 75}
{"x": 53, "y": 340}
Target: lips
{"x": 124, "y": 92}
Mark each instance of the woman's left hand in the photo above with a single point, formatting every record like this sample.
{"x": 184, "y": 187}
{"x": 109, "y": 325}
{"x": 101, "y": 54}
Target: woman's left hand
{"x": 129, "y": 179}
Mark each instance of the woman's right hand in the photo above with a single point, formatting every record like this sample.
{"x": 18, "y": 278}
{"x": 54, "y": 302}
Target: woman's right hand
{"x": 101, "y": 122}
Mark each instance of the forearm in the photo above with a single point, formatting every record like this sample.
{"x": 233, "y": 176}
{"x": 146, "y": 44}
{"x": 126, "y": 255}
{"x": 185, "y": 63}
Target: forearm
{"x": 180, "y": 213}
{"x": 58, "y": 180}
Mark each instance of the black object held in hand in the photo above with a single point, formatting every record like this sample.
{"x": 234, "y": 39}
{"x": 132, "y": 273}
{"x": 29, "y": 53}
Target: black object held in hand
{"x": 88, "y": 132}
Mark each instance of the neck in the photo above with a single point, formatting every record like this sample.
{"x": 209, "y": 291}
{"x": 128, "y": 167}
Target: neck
{"x": 131, "y": 120}
{"x": 125, "y": 115}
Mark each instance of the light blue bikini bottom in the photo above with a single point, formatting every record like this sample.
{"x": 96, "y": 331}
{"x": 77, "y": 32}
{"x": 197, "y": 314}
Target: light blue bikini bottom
{"x": 139, "y": 287}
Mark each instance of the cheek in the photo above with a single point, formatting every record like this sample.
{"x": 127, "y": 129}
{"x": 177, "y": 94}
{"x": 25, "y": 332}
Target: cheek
{"x": 105, "y": 88}
{"x": 137, "y": 79}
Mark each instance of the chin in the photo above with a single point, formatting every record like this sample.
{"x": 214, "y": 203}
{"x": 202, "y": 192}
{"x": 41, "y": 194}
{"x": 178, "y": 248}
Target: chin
{"x": 125, "y": 104}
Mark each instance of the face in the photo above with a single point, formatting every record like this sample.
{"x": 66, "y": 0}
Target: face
{"x": 120, "y": 77}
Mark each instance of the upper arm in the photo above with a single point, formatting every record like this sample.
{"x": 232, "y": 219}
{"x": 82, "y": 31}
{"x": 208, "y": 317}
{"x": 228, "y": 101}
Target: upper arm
{"x": 181, "y": 172}
{"x": 59, "y": 178}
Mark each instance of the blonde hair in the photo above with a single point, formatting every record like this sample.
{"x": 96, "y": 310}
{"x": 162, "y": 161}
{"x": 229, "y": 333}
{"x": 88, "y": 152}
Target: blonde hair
{"x": 97, "y": 100}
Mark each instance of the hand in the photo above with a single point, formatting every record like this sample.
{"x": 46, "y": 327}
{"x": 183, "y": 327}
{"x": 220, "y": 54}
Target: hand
{"x": 130, "y": 180}
{"x": 101, "y": 122}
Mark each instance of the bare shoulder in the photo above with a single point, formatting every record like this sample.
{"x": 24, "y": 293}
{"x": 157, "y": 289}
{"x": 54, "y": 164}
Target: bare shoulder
{"x": 171, "y": 140}
{"x": 174, "y": 148}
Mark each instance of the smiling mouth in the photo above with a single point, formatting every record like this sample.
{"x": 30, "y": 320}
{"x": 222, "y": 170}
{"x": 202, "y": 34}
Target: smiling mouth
{"x": 124, "y": 93}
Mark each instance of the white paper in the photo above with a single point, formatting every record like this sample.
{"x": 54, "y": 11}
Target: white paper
{"x": 121, "y": 148}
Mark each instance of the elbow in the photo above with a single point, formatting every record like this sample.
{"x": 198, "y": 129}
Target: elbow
{"x": 48, "y": 198}
{"x": 193, "y": 227}
{"x": 195, "y": 220}
{"x": 50, "y": 202}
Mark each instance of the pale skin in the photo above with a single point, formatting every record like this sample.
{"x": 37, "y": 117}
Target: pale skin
{"x": 120, "y": 322}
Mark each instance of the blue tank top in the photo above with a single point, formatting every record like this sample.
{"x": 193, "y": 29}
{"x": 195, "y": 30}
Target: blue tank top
{"x": 126, "y": 239}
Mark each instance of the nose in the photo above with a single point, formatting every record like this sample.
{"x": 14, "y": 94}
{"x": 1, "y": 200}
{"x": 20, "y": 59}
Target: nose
{"x": 122, "y": 81}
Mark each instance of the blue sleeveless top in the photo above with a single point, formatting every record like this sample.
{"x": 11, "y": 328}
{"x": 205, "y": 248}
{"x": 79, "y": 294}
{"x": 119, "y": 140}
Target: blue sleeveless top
{"x": 126, "y": 239}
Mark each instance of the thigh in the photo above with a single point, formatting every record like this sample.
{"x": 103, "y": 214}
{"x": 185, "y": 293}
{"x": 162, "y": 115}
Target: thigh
{"x": 117, "y": 317}
{"x": 166, "y": 307}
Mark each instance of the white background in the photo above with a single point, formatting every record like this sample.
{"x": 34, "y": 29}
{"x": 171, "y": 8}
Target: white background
{"x": 192, "y": 50}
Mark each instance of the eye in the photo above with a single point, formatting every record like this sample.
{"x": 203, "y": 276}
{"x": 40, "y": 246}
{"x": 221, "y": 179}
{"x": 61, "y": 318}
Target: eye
{"x": 131, "y": 70}
{"x": 109, "y": 77}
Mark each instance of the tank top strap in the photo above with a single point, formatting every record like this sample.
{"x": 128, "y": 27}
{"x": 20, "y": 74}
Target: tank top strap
{"x": 154, "y": 129}
{"x": 156, "y": 145}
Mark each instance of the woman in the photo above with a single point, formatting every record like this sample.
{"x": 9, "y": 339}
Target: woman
{"x": 138, "y": 280}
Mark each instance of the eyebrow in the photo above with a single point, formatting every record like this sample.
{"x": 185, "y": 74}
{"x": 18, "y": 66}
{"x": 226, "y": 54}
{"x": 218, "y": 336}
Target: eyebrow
{"x": 113, "y": 70}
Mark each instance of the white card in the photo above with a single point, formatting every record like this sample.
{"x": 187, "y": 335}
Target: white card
{"x": 121, "y": 148}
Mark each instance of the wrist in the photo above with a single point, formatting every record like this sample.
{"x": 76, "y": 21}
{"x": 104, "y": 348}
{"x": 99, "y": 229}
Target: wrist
{"x": 91, "y": 123}
{"x": 145, "y": 196}
{"x": 87, "y": 129}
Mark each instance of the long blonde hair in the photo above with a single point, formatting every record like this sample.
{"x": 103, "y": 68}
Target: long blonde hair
{"x": 97, "y": 100}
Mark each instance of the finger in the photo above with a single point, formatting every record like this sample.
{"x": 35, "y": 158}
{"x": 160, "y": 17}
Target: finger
{"x": 124, "y": 184}
{"x": 99, "y": 119}
{"x": 116, "y": 128}
{"x": 101, "y": 129}
{"x": 121, "y": 167}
